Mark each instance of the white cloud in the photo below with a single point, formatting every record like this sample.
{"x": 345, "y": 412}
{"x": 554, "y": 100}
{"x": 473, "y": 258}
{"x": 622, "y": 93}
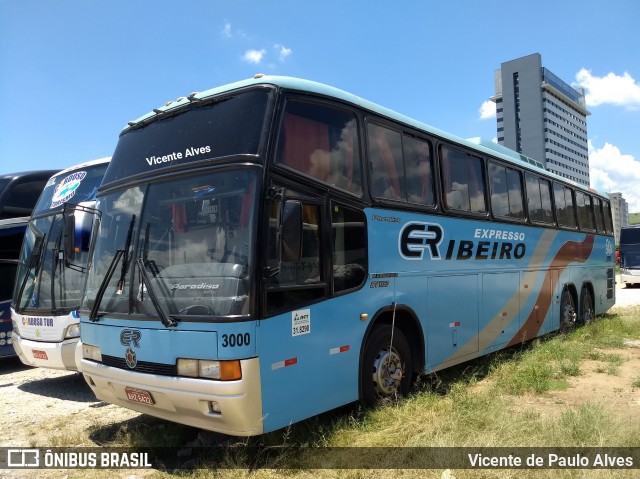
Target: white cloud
{"x": 611, "y": 172}
{"x": 613, "y": 89}
{"x": 283, "y": 52}
{"x": 226, "y": 31}
{"x": 254, "y": 56}
{"x": 488, "y": 110}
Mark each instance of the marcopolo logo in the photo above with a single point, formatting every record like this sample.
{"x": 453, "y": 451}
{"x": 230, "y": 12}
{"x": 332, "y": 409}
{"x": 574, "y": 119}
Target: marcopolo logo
{"x": 416, "y": 237}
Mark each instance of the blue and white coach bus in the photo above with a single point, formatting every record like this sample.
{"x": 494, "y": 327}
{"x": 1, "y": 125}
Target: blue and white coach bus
{"x": 53, "y": 268}
{"x": 275, "y": 248}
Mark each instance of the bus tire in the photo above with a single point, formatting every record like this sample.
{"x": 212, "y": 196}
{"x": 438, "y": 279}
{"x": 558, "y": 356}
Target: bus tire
{"x": 587, "y": 312}
{"x": 568, "y": 314}
{"x": 385, "y": 374}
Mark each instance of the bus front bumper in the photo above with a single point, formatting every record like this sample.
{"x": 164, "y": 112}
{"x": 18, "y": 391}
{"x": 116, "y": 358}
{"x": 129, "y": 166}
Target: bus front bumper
{"x": 47, "y": 355}
{"x": 228, "y": 407}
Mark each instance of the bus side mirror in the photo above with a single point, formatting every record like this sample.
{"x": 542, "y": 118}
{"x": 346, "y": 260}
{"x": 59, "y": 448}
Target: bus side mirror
{"x": 70, "y": 238}
{"x": 78, "y": 223}
{"x": 291, "y": 231}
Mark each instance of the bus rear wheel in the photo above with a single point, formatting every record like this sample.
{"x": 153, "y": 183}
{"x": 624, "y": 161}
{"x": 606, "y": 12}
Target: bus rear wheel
{"x": 386, "y": 371}
{"x": 587, "y": 313}
{"x": 568, "y": 314}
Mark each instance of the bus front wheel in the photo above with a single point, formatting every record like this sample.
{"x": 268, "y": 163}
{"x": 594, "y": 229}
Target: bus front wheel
{"x": 386, "y": 367}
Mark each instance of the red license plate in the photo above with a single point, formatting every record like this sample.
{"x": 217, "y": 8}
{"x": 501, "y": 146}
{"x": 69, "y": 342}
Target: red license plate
{"x": 138, "y": 395}
{"x": 39, "y": 354}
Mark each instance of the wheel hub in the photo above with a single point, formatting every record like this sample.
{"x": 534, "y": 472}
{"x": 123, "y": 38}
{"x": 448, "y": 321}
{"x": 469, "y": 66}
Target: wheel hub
{"x": 387, "y": 372}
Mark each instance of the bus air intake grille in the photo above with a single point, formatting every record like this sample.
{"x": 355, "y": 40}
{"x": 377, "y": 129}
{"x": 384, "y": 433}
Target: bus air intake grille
{"x": 141, "y": 367}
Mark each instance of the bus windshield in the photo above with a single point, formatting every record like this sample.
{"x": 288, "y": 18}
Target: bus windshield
{"x": 53, "y": 259}
{"x": 183, "y": 251}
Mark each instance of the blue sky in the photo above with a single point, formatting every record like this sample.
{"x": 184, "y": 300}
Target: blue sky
{"x": 73, "y": 73}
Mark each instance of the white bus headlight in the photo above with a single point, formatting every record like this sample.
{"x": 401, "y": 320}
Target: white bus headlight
{"x": 91, "y": 352}
{"x": 208, "y": 369}
{"x": 73, "y": 331}
{"x": 15, "y": 326}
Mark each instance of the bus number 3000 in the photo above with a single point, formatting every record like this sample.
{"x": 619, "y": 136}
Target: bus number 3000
{"x": 233, "y": 340}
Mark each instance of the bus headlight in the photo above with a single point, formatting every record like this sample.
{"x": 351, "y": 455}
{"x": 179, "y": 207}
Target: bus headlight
{"x": 3, "y": 335}
{"x": 207, "y": 369}
{"x": 624, "y": 271}
{"x": 15, "y": 326}
{"x": 73, "y": 331}
{"x": 91, "y": 352}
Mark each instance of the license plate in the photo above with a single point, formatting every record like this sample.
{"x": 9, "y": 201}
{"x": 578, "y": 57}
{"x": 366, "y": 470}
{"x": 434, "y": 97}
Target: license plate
{"x": 39, "y": 354}
{"x": 138, "y": 395}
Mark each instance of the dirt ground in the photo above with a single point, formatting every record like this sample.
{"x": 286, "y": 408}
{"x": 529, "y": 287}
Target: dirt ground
{"x": 595, "y": 385}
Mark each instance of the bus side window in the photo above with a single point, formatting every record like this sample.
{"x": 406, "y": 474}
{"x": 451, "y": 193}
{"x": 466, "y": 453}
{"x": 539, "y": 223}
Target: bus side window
{"x": 462, "y": 181}
{"x": 506, "y": 191}
{"x": 321, "y": 142}
{"x": 585, "y": 211}
{"x": 565, "y": 207}
{"x": 608, "y": 225}
{"x": 387, "y": 166}
{"x": 539, "y": 199}
{"x": 419, "y": 170}
{"x": 599, "y": 215}
{"x": 349, "y": 240}
{"x": 295, "y": 283}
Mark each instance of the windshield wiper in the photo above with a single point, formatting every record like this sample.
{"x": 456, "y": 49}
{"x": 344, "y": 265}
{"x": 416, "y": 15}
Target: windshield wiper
{"x": 54, "y": 266}
{"x": 168, "y": 321}
{"x": 34, "y": 263}
{"x": 93, "y": 316}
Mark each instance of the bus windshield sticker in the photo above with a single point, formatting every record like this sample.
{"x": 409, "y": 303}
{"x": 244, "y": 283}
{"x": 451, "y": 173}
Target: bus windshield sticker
{"x": 67, "y": 188}
{"x": 300, "y": 322}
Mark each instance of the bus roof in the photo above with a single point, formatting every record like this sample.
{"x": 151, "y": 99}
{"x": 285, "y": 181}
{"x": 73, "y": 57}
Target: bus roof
{"x": 308, "y": 86}
{"x": 86, "y": 164}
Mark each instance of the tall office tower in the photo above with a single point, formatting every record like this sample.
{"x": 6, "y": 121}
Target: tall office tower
{"x": 620, "y": 213}
{"x": 541, "y": 116}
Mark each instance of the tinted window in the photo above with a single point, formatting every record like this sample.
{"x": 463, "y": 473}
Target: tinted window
{"x": 606, "y": 206}
{"x": 419, "y": 170}
{"x": 539, "y": 199}
{"x": 229, "y": 126}
{"x": 585, "y": 211}
{"x": 565, "y": 207}
{"x": 321, "y": 142}
{"x": 22, "y": 198}
{"x": 387, "y": 165}
{"x": 599, "y": 214}
{"x": 349, "y": 248}
{"x": 506, "y": 191}
{"x": 462, "y": 181}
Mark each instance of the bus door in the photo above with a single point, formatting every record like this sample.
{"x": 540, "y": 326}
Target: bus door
{"x": 308, "y": 354}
